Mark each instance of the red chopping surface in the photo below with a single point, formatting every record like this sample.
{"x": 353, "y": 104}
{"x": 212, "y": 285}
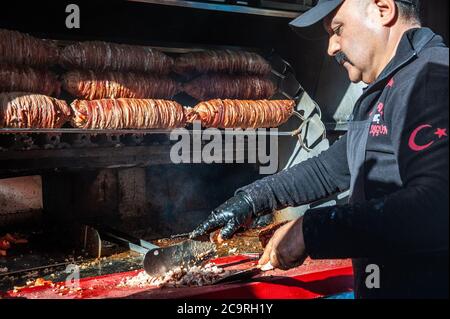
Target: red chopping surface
{"x": 314, "y": 279}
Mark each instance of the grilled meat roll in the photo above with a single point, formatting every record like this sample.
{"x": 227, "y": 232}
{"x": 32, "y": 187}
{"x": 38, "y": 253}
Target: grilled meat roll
{"x": 29, "y": 80}
{"x": 222, "y": 61}
{"x": 127, "y": 114}
{"x": 92, "y": 86}
{"x": 221, "y": 86}
{"x": 104, "y": 56}
{"x": 25, "y": 110}
{"x": 241, "y": 113}
{"x": 22, "y": 49}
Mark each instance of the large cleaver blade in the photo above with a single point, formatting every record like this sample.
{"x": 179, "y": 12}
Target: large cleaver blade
{"x": 188, "y": 253}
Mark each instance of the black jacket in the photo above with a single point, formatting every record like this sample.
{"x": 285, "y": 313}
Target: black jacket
{"x": 394, "y": 160}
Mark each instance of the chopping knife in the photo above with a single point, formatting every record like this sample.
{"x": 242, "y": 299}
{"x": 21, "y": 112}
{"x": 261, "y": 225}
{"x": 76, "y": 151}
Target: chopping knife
{"x": 187, "y": 253}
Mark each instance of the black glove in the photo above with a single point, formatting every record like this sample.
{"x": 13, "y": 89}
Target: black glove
{"x": 235, "y": 213}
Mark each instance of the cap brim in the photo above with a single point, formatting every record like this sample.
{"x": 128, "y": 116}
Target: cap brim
{"x": 309, "y": 24}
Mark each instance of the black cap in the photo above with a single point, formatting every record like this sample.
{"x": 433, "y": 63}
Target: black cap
{"x": 308, "y": 25}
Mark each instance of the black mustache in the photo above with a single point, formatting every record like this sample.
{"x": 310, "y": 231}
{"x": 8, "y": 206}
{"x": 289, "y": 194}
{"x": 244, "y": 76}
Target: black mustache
{"x": 341, "y": 58}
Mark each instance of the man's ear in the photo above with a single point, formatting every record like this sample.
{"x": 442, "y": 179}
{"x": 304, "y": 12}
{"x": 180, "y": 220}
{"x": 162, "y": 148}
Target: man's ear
{"x": 387, "y": 11}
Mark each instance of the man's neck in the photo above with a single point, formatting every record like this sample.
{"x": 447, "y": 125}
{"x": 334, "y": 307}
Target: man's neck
{"x": 393, "y": 41}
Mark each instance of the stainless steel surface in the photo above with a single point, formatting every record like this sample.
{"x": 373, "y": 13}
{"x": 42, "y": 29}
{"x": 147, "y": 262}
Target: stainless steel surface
{"x": 187, "y": 253}
{"x": 223, "y": 7}
{"x": 112, "y": 235}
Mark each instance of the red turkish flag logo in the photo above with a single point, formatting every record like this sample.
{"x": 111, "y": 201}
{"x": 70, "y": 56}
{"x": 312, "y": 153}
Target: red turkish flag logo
{"x": 440, "y": 133}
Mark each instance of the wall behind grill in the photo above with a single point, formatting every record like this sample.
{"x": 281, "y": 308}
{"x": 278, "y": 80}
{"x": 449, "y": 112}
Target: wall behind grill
{"x": 153, "y": 202}
{"x": 20, "y": 201}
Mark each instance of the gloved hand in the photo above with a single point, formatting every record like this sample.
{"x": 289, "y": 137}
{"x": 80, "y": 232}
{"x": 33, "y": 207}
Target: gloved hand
{"x": 235, "y": 213}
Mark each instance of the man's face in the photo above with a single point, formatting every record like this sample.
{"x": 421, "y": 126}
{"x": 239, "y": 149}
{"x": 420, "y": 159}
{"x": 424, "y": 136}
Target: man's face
{"x": 354, "y": 37}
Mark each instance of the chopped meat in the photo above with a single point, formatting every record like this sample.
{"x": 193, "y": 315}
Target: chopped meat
{"x": 178, "y": 277}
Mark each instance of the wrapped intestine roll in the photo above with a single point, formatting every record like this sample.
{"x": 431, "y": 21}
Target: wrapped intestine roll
{"x": 30, "y": 80}
{"x": 241, "y": 113}
{"x": 104, "y": 56}
{"x": 222, "y": 86}
{"x": 127, "y": 114}
{"x": 91, "y": 85}
{"x": 18, "y": 48}
{"x": 222, "y": 61}
{"x": 25, "y": 110}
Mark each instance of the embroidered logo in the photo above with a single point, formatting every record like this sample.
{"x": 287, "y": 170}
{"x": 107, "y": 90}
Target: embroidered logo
{"x": 377, "y": 128}
{"x": 440, "y": 133}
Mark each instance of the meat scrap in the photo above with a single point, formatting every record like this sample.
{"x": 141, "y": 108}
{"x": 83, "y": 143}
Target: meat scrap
{"x": 222, "y": 61}
{"x": 4, "y": 246}
{"x": 241, "y": 113}
{"x": 14, "y": 79}
{"x": 7, "y": 240}
{"x": 22, "y": 49}
{"x": 178, "y": 277}
{"x": 39, "y": 282}
{"x": 103, "y": 56}
{"x": 24, "y": 110}
{"x": 127, "y": 114}
{"x": 222, "y": 86}
{"x": 91, "y": 85}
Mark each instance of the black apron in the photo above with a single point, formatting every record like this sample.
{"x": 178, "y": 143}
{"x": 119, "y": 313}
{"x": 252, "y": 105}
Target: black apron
{"x": 357, "y": 137}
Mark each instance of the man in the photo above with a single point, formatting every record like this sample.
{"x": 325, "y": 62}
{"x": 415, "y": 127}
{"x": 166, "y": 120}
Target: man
{"x": 394, "y": 160}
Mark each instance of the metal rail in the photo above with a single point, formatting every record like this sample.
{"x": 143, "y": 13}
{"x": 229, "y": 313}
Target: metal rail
{"x": 225, "y": 8}
{"x": 269, "y": 132}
